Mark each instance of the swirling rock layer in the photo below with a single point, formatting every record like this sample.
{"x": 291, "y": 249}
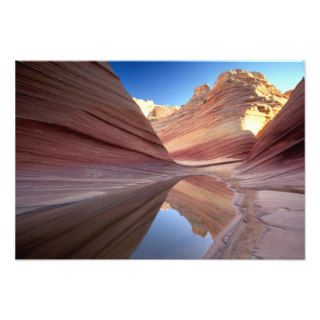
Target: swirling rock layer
{"x": 276, "y": 160}
{"x": 212, "y": 131}
{"x": 271, "y": 182}
{"x": 79, "y": 133}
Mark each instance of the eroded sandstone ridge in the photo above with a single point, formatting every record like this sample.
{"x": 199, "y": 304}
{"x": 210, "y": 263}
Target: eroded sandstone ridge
{"x": 155, "y": 112}
{"x": 215, "y": 130}
{"x": 91, "y": 172}
{"x": 78, "y": 134}
{"x": 198, "y": 96}
{"x": 277, "y": 158}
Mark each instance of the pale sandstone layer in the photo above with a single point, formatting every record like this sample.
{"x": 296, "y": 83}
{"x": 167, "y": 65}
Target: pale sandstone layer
{"x": 79, "y": 135}
{"x": 277, "y": 158}
{"x": 153, "y": 111}
{"x": 272, "y": 227}
{"x": 213, "y": 132}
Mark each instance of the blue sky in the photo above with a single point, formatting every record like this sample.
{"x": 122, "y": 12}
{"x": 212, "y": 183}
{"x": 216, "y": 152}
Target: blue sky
{"x": 172, "y": 82}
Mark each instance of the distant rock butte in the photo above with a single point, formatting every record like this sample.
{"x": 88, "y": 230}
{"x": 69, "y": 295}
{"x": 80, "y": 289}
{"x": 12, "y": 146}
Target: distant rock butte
{"x": 154, "y": 112}
{"x": 218, "y": 126}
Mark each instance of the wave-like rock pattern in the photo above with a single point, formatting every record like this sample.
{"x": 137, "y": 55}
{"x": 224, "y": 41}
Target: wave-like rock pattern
{"x": 276, "y": 160}
{"x": 211, "y": 132}
{"x": 79, "y": 133}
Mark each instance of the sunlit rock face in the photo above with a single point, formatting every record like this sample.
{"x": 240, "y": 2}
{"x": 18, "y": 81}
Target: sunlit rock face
{"x": 154, "y": 112}
{"x": 257, "y": 117}
{"x": 219, "y": 128}
{"x": 198, "y": 96}
{"x": 288, "y": 93}
{"x": 79, "y": 135}
{"x": 146, "y": 106}
{"x": 161, "y": 112}
{"x": 277, "y": 158}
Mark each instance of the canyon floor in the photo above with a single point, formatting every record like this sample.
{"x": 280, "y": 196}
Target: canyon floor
{"x": 98, "y": 176}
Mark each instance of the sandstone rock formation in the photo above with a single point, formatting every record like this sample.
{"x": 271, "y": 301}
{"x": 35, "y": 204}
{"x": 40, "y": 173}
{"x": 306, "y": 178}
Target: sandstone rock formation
{"x": 79, "y": 134}
{"x": 91, "y": 172}
{"x": 277, "y": 158}
{"x": 288, "y": 93}
{"x": 270, "y": 184}
{"x": 272, "y": 227}
{"x": 146, "y": 106}
{"x": 198, "y": 96}
{"x": 154, "y": 112}
{"x": 215, "y": 131}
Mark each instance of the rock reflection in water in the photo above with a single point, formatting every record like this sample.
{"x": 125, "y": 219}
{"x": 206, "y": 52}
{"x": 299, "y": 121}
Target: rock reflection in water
{"x": 170, "y": 237}
{"x": 202, "y": 201}
{"x": 131, "y": 224}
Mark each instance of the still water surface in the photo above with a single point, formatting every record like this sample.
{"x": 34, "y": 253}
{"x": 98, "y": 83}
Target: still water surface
{"x": 171, "y": 237}
{"x": 165, "y": 220}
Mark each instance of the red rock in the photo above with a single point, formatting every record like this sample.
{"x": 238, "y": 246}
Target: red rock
{"x": 277, "y": 158}
{"x": 288, "y": 93}
{"x": 198, "y": 96}
{"x": 213, "y": 132}
{"x": 78, "y": 134}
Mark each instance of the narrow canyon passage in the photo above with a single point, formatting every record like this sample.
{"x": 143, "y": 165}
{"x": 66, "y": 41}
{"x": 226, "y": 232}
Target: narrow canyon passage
{"x": 96, "y": 178}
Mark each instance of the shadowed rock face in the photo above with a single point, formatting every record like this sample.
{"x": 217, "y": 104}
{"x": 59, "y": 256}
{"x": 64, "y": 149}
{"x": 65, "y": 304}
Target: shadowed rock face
{"x": 108, "y": 226}
{"x": 212, "y": 131}
{"x": 276, "y": 160}
{"x": 78, "y": 134}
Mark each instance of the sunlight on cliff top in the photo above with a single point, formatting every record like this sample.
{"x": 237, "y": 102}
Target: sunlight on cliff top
{"x": 255, "y": 118}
